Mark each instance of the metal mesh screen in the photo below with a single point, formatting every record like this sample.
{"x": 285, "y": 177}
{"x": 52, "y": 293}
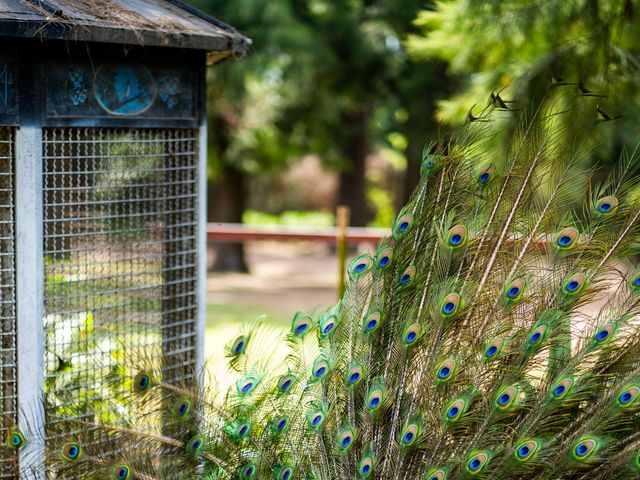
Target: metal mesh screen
{"x": 120, "y": 227}
{"x": 8, "y": 361}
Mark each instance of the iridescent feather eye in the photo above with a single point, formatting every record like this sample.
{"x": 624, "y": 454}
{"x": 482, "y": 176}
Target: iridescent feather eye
{"x": 375, "y": 398}
{"x": 628, "y": 397}
{"x": 634, "y": 283}
{"x": 411, "y": 334}
{"x": 492, "y": 351}
{"x": 279, "y": 425}
{"x": 284, "y": 472}
{"x": 527, "y": 450}
{"x": 194, "y": 445}
{"x": 561, "y": 389}
{"x": 403, "y": 224}
{"x": 457, "y": 237}
{"x": 71, "y": 451}
{"x": 360, "y": 265}
{"x": 371, "y": 322}
{"x": 477, "y": 461}
{"x": 120, "y": 472}
{"x": 537, "y": 336}
{"x": 506, "y": 397}
{"x": 248, "y": 471}
{"x": 574, "y": 284}
{"x": 246, "y": 385}
{"x": 320, "y": 368}
{"x": 315, "y": 419}
{"x": 585, "y": 447}
{"x": 180, "y": 407}
{"x": 285, "y": 383}
{"x": 455, "y": 410}
{"x": 346, "y": 438}
{"x": 367, "y": 463}
{"x": 15, "y": 439}
{"x": 566, "y": 239}
{"x": 513, "y": 291}
{"x": 431, "y": 162}
{"x": 301, "y": 324}
{"x": 239, "y": 344}
{"x": 142, "y": 382}
{"x": 486, "y": 175}
{"x": 446, "y": 370}
{"x": 354, "y": 375}
{"x": 437, "y": 474}
{"x": 410, "y": 434}
{"x": 384, "y": 257}
{"x": 450, "y": 305}
{"x": 328, "y": 324}
{"x": 605, "y": 206}
{"x": 604, "y": 334}
{"x": 408, "y": 276}
{"x": 242, "y": 430}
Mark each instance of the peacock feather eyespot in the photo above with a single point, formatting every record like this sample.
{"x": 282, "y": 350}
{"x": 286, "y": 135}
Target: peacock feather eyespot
{"x": 493, "y": 350}
{"x": 180, "y": 407}
{"x": 629, "y": 397}
{"x": 285, "y": 383}
{"x": 320, "y": 368}
{"x": 194, "y": 445}
{"x": 284, "y": 472}
{"x": 585, "y": 447}
{"x": 636, "y": 460}
{"x": 561, "y": 389}
{"x": 455, "y": 410}
{"x": 360, "y": 265}
{"x": 566, "y": 239}
{"x": 15, "y": 439}
{"x": 574, "y": 284}
{"x": 403, "y": 224}
{"x": 450, "y": 305}
{"x": 120, "y": 471}
{"x": 354, "y": 375}
{"x": 239, "y": 345}
{"x": 242, "y": 430}
{"x": 375, "y": 398}
{"x": 537, "y": 336}
{"x": 279, "y": 425}
{"x": 514, "y": 291}
{"x": 486, "y": 175}
{"x": 371, "y": 322}
{"x": 247, "y": 385}
{"x": 446, "y": 370}
{"x": 315, "y": 419}
{"x": 346, "y": 438}
{"x": 366, "y": 465}
{"x": 328, "y": 324}
{"x": 506, "y": 398}
{"x": 71, "y": 451}
{"x": 384, "y": 257}
{"x": 527, "y": 450}
{"x": 477, "y": 461}
{"x": 437, "y": 474}
{"x": 411, "y": 334}
{"x": 410, "y": 434}
{"x": 605, "y": 206}
{"x": 142, "y": 382}
{"x": 301, "y": 324}
{"x": 431, "y": 162}
{"x": 457, "y": 237}
{"x": 604, "y": 334}
{"x": 635, "y": 283}
{"x": 248, "y": 470}
{"x": 407, "y": 277}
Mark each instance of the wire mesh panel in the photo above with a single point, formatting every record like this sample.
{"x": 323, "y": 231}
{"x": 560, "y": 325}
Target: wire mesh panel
{"x": 8, "y": 361}
{"x": 120, "y": 227}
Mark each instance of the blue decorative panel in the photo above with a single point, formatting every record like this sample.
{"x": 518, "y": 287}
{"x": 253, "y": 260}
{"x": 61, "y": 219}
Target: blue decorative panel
{"x": 124, "y": 90}
{"x": 8, "y": 92}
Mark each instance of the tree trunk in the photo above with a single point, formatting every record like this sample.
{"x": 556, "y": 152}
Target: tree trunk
{"x": 352, "y": 190}
{"x": 413, "y": 153}
{"x": 226, "y": 203}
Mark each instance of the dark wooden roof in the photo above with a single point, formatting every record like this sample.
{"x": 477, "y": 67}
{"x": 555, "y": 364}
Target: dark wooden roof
{"x": 164, "y": 23}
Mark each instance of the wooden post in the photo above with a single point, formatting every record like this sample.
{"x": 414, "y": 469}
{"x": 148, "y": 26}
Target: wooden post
{"x": 342, "y": 221}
